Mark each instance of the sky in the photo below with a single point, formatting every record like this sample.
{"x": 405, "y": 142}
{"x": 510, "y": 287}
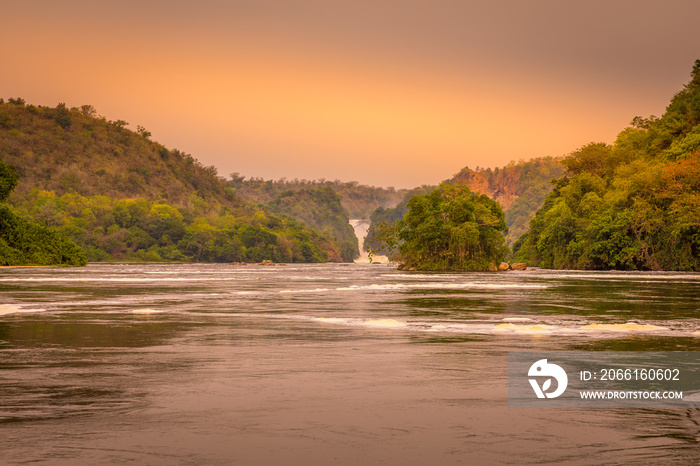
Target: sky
{"x": 388, "y": 93}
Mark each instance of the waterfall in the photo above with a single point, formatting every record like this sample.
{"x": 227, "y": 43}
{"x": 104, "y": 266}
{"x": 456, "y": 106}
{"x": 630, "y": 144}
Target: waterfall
{"x": 360, "y": 226}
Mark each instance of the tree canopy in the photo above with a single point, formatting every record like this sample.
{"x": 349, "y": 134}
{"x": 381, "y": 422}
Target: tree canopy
{"x": 122, "y": 197}
{"x": 450, "y": 228}
{"x": 23, "y": 242}
{"x": 631, "y": 205}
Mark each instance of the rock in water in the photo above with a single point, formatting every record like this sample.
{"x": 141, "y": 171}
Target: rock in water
{"x": 503, "y": 266}
{"x": 519, "y": 266}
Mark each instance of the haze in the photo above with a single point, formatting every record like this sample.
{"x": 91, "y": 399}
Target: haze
{"x": 398, "y": 93}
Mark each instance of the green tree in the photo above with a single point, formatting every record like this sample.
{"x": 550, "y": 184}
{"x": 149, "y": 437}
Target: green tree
{"x": 8, "y": 180}
{"x": 23, "y": 242}
{"x": 450, "y": 228}
{"x": 63, "y": 118}
{"x": 633, "y": 205}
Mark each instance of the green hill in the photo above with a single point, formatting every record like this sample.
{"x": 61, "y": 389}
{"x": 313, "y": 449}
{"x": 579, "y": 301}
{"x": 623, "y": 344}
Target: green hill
{"x": 322, "y": 210}
{"x": 72, "y": 150}
{"x": 634, "y": 204}
{"x": 121, "y": 196}
{"x": 324, "y": 205}
{"x": 357, "y": 199}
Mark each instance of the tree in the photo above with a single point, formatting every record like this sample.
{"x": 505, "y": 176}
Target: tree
{"x": 633, "y": 205}
{"x": 88, "y": 111}
{"x": 62, "y": 117}
{"x": 8, "y": 180}
{"x": 24, "y": 242}
{"x": 143, "y": 132}
{"x": 450, "y": 228}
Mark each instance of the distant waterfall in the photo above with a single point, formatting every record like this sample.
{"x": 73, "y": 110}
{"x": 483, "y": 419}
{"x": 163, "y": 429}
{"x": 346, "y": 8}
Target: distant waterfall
{"x": 361, "y": 226}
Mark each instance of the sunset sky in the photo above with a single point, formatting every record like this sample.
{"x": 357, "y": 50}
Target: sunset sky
{"x": 398, "y": 93}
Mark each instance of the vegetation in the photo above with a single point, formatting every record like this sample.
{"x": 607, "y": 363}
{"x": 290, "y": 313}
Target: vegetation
{"x": 450, "y": 228}
{"x": 324, "y": 205}
{"x": 23, "y": 242}
{"x": 359, "y": 200}
{"x": 321, "y": 209}
{"x": 631, "y": 205}
{"x": 389, "y": 216}
{"x": 519, "y": 187}
{"x": 144, "y": 230}
{"x": 163, "y": 205}
{"x": 73, "y": 150}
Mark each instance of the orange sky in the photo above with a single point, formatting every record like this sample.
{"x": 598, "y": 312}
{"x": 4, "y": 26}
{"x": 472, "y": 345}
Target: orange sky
{"x": 397, "y": 93}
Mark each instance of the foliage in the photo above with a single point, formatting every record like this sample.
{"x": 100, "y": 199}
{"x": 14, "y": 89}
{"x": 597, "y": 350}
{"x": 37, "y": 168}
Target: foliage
{"x": 121, "y": 196}
{"x": 631, "y": 205}
{"x": 143, "y": 132}
{"x": 322, "y": 210}
{"x": 324, "y": 205}
{"x": 359, "y": 200}
{"x": 65, "y": 149}
{"x": 62, "y": 116}
{"x": 23, "y": 242}
{"x": 8, "y": 180}
{"x": 382, "y": 220}
{"x": 519, "y": 187}
{"x": 144, "y": 230}
{"x": 450, "y": 228}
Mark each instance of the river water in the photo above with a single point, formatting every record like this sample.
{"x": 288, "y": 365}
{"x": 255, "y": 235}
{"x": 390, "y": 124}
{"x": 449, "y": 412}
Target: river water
{"x": 323, "y": 364}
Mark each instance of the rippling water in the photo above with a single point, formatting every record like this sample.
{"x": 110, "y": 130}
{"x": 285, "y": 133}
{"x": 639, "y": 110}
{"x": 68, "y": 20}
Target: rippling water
{"x": 323, "y": 364}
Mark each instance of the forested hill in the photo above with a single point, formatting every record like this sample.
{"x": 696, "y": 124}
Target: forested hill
{"x": 634, "y": 204}
{"x": 321, "y": 209}
{"x": 359, "y": 200}
{"x": 520, "y": 188}
{"x": 121, "y": 196}
{"x": 505, "y": 185}
{"x": 75, "y": 150}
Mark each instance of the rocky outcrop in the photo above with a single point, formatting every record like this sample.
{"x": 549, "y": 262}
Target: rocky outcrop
{"x": 503, "y": 186}
{"x": 504, "y": 266}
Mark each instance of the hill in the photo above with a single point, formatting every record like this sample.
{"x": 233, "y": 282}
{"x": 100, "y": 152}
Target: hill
{"x": 520, "y": 188}
{"x": 322, "y": 210}
{"x": 359, "y": 200}
{"x": 121, "y": 196}
{"x": 74, "y": 150}
{"x": 631, "y": 205}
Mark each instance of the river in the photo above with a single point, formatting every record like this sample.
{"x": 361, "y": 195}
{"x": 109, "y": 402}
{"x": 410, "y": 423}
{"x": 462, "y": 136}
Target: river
{"x": 324, "y": 364}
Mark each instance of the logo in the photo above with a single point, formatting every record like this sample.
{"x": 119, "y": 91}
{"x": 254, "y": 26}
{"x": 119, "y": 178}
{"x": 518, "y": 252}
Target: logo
{"x": 542, "y": 369}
